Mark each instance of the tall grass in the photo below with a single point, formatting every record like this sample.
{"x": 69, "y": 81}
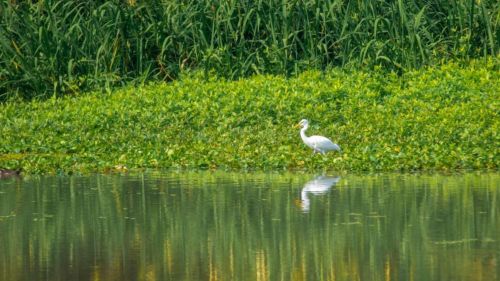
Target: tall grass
{"x": 60, "y": 46}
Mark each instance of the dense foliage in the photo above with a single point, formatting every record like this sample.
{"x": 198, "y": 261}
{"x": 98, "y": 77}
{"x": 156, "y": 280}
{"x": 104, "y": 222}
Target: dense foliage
{"x": 63, "y": 46}
{"x": 435, "y": 118}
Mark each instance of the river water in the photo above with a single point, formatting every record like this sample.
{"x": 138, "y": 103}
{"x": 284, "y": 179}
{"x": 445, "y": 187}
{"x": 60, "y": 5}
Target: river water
{"x": 229, "y": 226}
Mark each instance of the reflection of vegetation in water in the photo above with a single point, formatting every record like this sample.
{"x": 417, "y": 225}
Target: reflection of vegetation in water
{"x": 230, "y": 227}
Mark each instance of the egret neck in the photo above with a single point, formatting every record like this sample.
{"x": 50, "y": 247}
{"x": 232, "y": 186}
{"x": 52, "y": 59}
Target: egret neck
{"x": 303, "y": 133}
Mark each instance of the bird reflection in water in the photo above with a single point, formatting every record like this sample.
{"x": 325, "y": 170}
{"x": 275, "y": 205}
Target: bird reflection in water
{"x": 318, "y": 186}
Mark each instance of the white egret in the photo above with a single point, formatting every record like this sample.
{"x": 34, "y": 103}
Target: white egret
{"x": 319, "y": 144}
{"x": 318, "y": 186}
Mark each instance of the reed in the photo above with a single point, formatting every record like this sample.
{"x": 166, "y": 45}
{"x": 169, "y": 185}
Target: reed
{"x": 62, "y": 46}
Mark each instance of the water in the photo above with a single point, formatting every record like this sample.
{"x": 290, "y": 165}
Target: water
{"x": 216, "y": 226}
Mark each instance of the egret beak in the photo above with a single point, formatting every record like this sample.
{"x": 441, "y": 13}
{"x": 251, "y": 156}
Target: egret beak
{"x": 298, "y": 203}
{"x": 296, "y": 126}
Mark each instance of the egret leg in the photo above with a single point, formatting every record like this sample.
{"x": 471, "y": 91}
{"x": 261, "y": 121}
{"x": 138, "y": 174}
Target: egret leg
{"x": 317, "y": 151}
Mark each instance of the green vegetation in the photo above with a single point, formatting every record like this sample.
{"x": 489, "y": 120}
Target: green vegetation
{"x": 433, "y": 118}
{"x": 64, "y": 46}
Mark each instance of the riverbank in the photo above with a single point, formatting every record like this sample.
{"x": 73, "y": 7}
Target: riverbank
{"x": 443, "y": 118}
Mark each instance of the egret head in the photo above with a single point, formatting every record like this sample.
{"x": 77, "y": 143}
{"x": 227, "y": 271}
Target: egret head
{"x": 303, "y": 123}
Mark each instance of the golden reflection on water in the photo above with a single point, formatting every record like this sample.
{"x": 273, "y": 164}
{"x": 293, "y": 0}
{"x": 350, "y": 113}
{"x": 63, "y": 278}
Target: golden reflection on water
{"x": 215, "y": 226}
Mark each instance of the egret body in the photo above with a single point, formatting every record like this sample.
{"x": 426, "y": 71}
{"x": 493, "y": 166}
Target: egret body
{"x": 319, "y": 144}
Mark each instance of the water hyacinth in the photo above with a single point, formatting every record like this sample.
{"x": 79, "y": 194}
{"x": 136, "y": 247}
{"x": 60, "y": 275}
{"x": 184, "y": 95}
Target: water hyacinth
{"x": 434, "y": 118}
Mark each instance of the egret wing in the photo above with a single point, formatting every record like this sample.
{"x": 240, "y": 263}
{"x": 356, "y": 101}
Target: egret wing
{"x": 323, "y": 143}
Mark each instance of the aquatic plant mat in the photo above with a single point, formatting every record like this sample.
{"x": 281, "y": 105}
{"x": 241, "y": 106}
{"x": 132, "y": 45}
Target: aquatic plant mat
{"x": 443, "y": 118}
